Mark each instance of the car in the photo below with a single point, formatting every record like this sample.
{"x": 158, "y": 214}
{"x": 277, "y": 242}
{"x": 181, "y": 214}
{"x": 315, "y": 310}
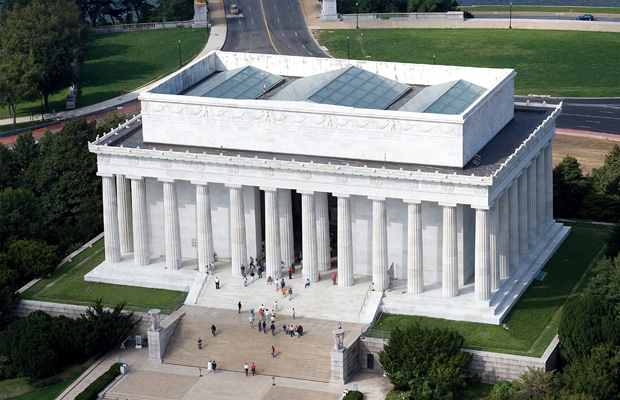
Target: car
{"x": 585, "y": 17}
{"x": 234, "y": 10}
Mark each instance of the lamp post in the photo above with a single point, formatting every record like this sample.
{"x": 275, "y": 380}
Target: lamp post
{"x": 179, "y": 46}
{"x": 348, "y": 54}
{"x": 433, "y": 59}
{"x": 357, "y": 15}
{"x": 510, "y": 23}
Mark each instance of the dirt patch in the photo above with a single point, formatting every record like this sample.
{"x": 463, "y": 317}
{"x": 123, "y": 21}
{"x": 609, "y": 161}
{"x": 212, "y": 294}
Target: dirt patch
{"x": 589, "y": 152}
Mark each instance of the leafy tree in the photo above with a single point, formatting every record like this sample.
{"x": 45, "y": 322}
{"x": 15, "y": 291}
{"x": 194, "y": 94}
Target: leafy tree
{"x": 107, "y": 328}
{"x": 53, "y": 33}
{"x": 91, "y": 9}
{"x": 20, "y": 216}
{"x": 8, "y": 286}
{"x": 613, "y": 243}
{"x": 535, "y": 384}
{"x": 569, "y": 188}
{"x": 504, "y": 390}
{"x": 25, "y": 150}
{"x": 19, "y": 75}
{"x": 597, "y": 376}
{"x": 177, "y": 10}
{"x": 607, "y": 178}
{"x": 427, "y": 363}
{"x": 606, "y": 283}
{"x": 9, "y": 170}
{"x": 32, "y": 259}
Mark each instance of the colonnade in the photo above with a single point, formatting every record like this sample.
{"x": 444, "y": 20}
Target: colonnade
{"x": 504, "y": 231}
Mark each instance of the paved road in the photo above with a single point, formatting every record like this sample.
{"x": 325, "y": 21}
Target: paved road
{"x": 269, "y": 27}
{"x": 551, "y": 16}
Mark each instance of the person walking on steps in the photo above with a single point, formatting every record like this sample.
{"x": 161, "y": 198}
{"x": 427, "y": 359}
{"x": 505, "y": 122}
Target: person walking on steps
{"x": 245, "y": 367}
{"x": 217, "y": 282}
{"x": 239, "y": 308}
{"x": 199, "y": 344}
{"x": 253, "y": 366}
{"x": 293, "y": 314}
{"x": 290, "y": 293}
{"x": 213, "y": 329}
{"x": 214, "y": 365}
{"x": 273, "y": 352}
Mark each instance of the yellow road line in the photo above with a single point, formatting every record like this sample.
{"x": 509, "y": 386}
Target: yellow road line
{"x": 267, "y": 27}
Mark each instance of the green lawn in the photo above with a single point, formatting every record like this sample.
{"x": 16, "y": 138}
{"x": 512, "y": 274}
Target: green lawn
{"x": 67, "y": 285}
{"x": 557, "y": 63}
{"x": 534, "y": 320}
{"x": 579, "y": 10}
{"x": 126, "y": 61}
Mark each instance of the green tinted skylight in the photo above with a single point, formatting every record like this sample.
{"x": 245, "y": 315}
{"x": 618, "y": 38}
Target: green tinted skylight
{"x": 241, "y": 83}
{"x": 447, "y": 98}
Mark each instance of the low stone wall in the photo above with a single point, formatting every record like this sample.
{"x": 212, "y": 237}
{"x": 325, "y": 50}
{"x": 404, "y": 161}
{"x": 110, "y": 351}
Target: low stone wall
{"x": 447, "y": 16}
{"x": 491, "y": 367}
{"x": 159, "y": 337}
{"x": 344, "y": 363}
{"x": 25, "y": 307}
{"x": 141, "y": 27}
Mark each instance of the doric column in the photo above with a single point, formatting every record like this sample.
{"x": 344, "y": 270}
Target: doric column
{"x": 141, "y": 251}
{"x": 123, "y": 199}
{"x": 549, "y": 183}
{"x": 449, "y": 264}
{"x": 494, "y": 239}
{"x": 415, "y": 266}
{"x": 540, "y": 193}
{"x": 504, "y": 235}
{"x": 110, "y": 219}
{"x": 238, "y": 248}
{"x": 285, "y": 212}
{"x": 513, "y": 197}
{"x": 172, "y": 230}
{"x": 345, "y": 242}
{"x": 308, "y": 228}
{"x": 524, "y": 222}
{"x": 204, "y": 239}
{"x": 531, "y": 203}
{"x": 379, "y": 245}
{"x": 272, "y": 234}
{"x": 322, "y": 232}
{"x": 482, "y": 286}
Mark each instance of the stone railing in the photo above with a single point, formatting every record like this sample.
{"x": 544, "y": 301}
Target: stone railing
{"x": 141, "y": 27}
{"x": 430, "y": 16}
{"x": 160, "y": 335}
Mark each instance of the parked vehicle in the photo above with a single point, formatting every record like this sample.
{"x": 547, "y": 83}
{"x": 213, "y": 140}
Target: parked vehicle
{"x": 586, "y": 17}
{"x": 234, "y": 10}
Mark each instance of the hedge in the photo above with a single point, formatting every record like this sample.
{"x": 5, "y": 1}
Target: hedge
{"x": 353, "y": 395}
{"x": 91, "y": 392}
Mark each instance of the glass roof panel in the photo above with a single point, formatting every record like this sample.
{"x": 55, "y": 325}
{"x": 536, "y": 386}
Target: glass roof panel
{"x": 446, "y": 98}
{"x": 240, "y": 83}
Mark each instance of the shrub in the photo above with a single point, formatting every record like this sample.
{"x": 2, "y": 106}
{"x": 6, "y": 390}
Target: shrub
{"x": 353, "y": 395}
{"x": 91, "y": 392}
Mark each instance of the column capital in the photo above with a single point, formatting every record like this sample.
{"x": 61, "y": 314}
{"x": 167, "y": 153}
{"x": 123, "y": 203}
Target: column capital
{"x": 268, "y": 188}
{"x": 199, "y": 183}
{"x": 168, "y": 180}
{"x": 481, "y": 207}
{"x": 306, "y": 191}
{"x": 106, "y": 175}
{"x": 448, "y": 204}
{"x": 376, "y": 198}
{"x": 342, "y": 195}
{"x": 233, "y": 186}
{"x": 134, "y": 177}
{"x": 412, "y": 201}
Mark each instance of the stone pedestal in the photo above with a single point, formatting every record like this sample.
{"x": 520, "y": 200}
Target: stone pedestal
{"x": 329, "y": 11}
{"x": 201, "y": 19}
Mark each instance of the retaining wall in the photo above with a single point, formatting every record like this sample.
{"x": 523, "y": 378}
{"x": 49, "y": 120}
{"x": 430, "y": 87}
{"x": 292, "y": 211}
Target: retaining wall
{"x": 160, "y": 337}
{"x": 141, "y": 27}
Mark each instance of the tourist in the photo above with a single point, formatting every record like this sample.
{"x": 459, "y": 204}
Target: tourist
{"x": 282, "y": 283}
{"x": 252, "y": 311}
{"x": 260, "y": 327}
{"x": 253, "y": 369}
{"x": 269, "y": 280}
{"x": 260, "y": 272}
{"x": 334, "y": 278}
{"x": 217, "y": 282}
{"x": 267, "y": 314}
{"x": 264, "y": 327}
{"x": 291, "y": 330}
{"x": 239, "y": 308}
{"x": 275, "y": 306}
{"x": 285, "y": 329}
{"x": 261, "y": 313}
{"x": 212, "y": 268}
{"x": 283, "y": 292}
{"x": 252, "y": 262}
{"x": 213, "y": 329}
{"x": 293, "y": 309}
{"x": 290, "y": 293}
{"x": 300, "y": 330}
{"x": 273, "y": 329}
{"x": 245, "y": 281}
{"x": 307, "y": 283}
{"x": 273, "y": 352}
{"x": 214, "y": 365}
{"x": 209, "y": 367}
{"x": 199, "y": 344}
{"x": 242, "y": 270}
{"x": 251, "y": 321}
{"x": 245, "y": 367}
{"x": 252, "y": 276}
{"x": 339, "y": 325}
{"x": 290, "y": 273}
{"x": 273, "y": 318}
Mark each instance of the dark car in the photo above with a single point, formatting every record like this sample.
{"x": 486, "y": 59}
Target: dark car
{"x": 586, "y": 17}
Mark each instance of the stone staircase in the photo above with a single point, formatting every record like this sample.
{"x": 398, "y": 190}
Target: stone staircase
{"x": 306, "y": 357}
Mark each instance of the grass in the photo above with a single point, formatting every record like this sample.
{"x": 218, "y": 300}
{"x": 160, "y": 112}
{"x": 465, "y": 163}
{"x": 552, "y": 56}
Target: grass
{"x": 126, "y": 61}
{"x": 67, "y": 285}
{"x": 52, "y": 391}
{"x": 546, "y": 62}
{"x": 534, "y": 320}
{"x": 544, "y": 9}
{"x": 9, "y": 385}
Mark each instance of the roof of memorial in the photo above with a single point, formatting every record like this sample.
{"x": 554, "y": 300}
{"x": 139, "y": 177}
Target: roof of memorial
{"x": 446, "y": 98}
{"x": 245, "y": 83}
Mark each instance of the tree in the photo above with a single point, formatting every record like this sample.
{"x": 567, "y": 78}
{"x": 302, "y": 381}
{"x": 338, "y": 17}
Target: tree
{"x": 106, "y": 328}
{"x": 569, "y": 188}
{"x": 607, "y": 178}
{"x": 597, "y": 375}
{"x": 20, "y": 216}
{"x": 427, "y": 363}
{"x": 32, "y": 259}
{"x": 535, "y": 384}
{"x": 9, "y": 170}
{"x": 53, "y": 33}
{"x": 19, "y": 75}
{"x": 177, "y": 10}
{"x": 91, "y": 9}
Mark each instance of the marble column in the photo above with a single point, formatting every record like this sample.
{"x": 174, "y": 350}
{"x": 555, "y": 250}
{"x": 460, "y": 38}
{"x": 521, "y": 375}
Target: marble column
{"x": 513, "y": 205}
{"x": 272, "y": 234}
{"x": 285, "y": 212}
{"x": 322, "y": 232}
{"x": 204, "y": 225}
{"x": 482, "y": 286}
{"x": 308, "y": 228}
{"x": 540, "y": 193}
{"x": 379, "y": 245}
{"x": 345, "y": 242}
{"x": 239, "y": 250}
{"x": 172, "y": 230}
{"x": 415, "y": 265}
{"x": 123, "y": 199}
{"x": 549, "y": 183}
{"x": 141, "y": 251}
{"x": 449, "y": 256}
{"x": 531, "y": 203}
{"x": 524, "y": 222}
{"x": 494, "y": 239}
{"x": 503, "y": 249}
{"x": 110, "y": 220}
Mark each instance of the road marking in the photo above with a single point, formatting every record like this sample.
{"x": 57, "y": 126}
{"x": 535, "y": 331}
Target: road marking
{"x": 267, "y": 27}
{"x": 278, "y": 20}
{"x": 310, "y": 53}
{"x": 295, "y": 33}
{"x": 303, "y": 46}
{"x": 282, "y": 34}
{"x": 607, "y": 112}
{"x": 252, "y": 21}
{"x": 581, "y": 126}
{"x": 594, "y": 122}
{"x": 590, "y": 116}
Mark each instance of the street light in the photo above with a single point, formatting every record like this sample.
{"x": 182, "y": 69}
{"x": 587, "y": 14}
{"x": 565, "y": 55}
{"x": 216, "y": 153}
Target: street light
{"x": 433, "y": 59}
{"x": 179, "y": 46}
{"x": 510, "y": 23}
{"x": 348, "y": 54}
{"x": 357, "y": 16}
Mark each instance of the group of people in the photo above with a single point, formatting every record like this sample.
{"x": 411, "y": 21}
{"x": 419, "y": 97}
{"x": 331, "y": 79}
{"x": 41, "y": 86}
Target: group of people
{"x": 291, "y": 330}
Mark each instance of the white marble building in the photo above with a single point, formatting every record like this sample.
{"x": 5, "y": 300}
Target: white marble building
{"x": 442, "y": 191}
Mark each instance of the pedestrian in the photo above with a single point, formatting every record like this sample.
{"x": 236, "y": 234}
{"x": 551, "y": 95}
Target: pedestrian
{"x": 283, "y": 292}
{"x": 267, "y": 314}
{"x": 275, "y": 306}
{"x": 239, "y": 307}
{"x": 199, "y": 374}
{"x": 217, "y": 282}
{"x": 245, "y": 281}
{"x": 245, "y": 367}
{"x": 273, "y": 352}
{"x": 307, "y": 283}
{"x": 334, "y": 278}
{"x": 264, "y": 327}
{"x": 273, "y": 329}
{"x": 293, "y": 314}
{"x": 269, "y": 280}
{"x": 260, "y": 327}
{"x": 339, "y": 325}
{"x": 214, "y": 366}
{"x": 273, "y": 318}
{"x": 212, "y": 268}
{"x": 282, "y": 283}
{"x": 251, "y": 262}
{"x": 251, "y": 321}
{"x": 253, "y": 369}
{"x": 199, "y": 344}
{"x": 290, "y": 273}
{"x": 209, "y": 367}
{"x": 242, "y": 270}
{"x": 290, "y": 293}
{"x": 260, "y": 272}
{"x": 291, "y": 330}
{"x": 213, "y": 329}
{"x": 252, "y": 276}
